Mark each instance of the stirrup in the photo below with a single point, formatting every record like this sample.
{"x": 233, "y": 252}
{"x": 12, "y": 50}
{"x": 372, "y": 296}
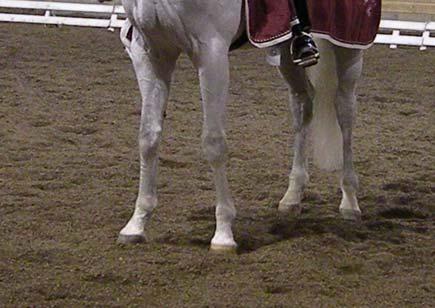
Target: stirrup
{"x": 307, "y": 61}
{"x": 308, "y": 57}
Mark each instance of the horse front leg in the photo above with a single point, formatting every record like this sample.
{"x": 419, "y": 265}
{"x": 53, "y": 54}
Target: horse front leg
{"x": 302, "y": 110}
{"x": 349, "y": 68}
{"x": 153, "y": 76}
{"x": 213, "y": 68}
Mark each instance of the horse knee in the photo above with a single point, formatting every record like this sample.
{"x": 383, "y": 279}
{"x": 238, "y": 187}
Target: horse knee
{"x": 226, "y": 213}
{"x": 149, "y": 140}
{"x": 215, "y": 149}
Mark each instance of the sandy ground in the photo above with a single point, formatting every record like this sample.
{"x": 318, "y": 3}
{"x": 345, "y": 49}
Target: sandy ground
{"x": 69, "y": 176}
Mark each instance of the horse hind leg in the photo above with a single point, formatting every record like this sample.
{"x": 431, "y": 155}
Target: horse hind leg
{"x": 213, "y": 68}
{"x": 154, "y": 76}
{"x": 349, "y": 67}
{"x": 301, "y": 108}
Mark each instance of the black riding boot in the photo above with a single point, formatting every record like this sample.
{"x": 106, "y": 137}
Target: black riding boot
{"x": 303, "y": 50}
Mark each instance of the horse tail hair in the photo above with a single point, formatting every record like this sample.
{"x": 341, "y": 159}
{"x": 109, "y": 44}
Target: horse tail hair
{"x": 326, "y": 133}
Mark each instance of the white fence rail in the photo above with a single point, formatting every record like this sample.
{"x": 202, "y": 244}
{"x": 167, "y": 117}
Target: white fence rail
{"x": 87, "y": 15}
{"x": 407, "y": 33}
{"x": 392, "y": 32}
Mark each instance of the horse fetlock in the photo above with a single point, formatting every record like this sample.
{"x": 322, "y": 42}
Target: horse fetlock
{"x": 291, "y": 202}
{"x": 225, "y": 215}
{"x": 349, "y": 208}
{"x": 291, "y": 197}
{"x": 350, "y": 182}
{"x": 142, "y": 214}
{"x": 349, "y": 201}
{"x": 298, "y": 180}
{"x": 145, "y": 205}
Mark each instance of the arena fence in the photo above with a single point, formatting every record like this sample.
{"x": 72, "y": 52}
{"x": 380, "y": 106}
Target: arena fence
{"x": 392, "y": 32}
{"x": 60, "y": 13}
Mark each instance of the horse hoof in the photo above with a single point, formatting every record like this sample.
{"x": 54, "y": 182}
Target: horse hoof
{"x": 131, "y": 239}
{"x": 352, "y": 215}
{"x": 223, "y": 248}
{"x": 292, "y": 209}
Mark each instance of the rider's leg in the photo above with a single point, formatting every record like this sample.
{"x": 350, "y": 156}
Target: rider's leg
{"x": 303, "y": 14}
{"x": 304, "y": 51}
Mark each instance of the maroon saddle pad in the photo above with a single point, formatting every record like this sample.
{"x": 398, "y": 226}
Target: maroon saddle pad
{"x": 347, "y": 23}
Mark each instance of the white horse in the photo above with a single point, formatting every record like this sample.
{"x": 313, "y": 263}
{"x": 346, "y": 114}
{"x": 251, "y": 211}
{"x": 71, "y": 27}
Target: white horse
{"x": 205, "y": 30}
